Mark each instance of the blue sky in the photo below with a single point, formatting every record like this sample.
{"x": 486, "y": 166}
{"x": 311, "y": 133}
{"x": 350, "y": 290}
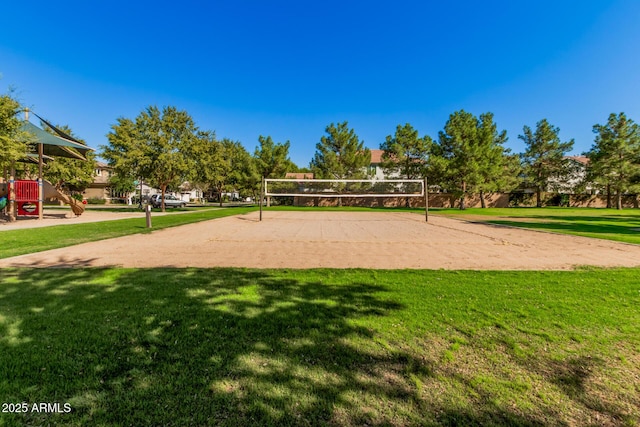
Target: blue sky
{"x": 290, "y": 68}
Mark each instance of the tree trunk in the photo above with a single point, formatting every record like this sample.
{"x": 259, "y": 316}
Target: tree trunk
{"x": 618, "y": 199}
{"x": 538, "y": 197}
{"x": 483, "y": 204}
{"x": 163, "y": 190}
{"x": 608, "y": 196}
{"x": 220, "y": 196}
{"x": 464, "y": 193}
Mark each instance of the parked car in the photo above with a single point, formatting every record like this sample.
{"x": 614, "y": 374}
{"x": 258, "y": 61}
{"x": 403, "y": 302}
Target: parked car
{"x": 169, "y": 201}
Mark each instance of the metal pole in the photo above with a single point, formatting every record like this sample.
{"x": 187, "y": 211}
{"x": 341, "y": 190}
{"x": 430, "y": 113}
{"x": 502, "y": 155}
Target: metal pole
{"x": 261, "y": 196}
{"x": 148, "y": 215}
{"x": 426, "y": 199}
{"x": 40, "y": 183}
{"x": 141, "y": 193}
{"x": 12, "y": 193}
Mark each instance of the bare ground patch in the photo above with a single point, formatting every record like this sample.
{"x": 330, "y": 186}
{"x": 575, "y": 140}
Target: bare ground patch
{"x": 342, "y": 240}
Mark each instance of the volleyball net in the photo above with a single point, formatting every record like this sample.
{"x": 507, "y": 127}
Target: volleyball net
{"x": 345, "y": 188}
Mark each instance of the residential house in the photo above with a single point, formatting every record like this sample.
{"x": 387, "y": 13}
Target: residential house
{"x": 99, "y": 188}
{"x": 574, "y": 177}
{"x": 298, "y": 175}
{"x": 375, "y": 170}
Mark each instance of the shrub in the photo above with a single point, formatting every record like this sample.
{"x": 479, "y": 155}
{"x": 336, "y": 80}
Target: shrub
{"x": 520, "y": 199}
{"x": 96, "y": 201}
{"x": 558, "y": 200}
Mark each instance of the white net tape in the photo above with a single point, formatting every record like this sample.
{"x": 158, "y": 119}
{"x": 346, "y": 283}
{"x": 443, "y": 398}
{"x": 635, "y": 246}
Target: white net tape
{"x": 344, "y": 187}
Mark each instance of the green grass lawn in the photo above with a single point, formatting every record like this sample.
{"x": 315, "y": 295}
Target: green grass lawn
{"x": 23, "y": 241}
{"x": 187, "y": 347}
{"x": 610, "y": 224}
{"x": 128, "y": 208}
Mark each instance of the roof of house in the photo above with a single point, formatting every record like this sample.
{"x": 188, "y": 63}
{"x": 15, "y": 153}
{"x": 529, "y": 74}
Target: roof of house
{"x": 376, "y": 156}
{"x": 299, "y": 175}
{"x": 580, "y": 159}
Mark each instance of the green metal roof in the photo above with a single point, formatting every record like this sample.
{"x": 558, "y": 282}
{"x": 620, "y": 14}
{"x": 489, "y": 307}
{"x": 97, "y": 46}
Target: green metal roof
{"x": 54, "y": 145}
{"x": 33, "y": 158}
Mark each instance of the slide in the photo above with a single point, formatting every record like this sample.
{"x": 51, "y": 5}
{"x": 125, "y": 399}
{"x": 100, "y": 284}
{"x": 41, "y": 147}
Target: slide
{"x": 50, "y": 192}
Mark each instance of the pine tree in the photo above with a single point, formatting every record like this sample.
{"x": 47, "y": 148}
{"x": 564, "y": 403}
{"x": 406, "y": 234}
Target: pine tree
{"x": 614, "y": 159}
{"x": 544, "y": 158}
{"x": 340, "y": 154}
{"x": 496, "y": 169}
{"x": 406, "y": 154}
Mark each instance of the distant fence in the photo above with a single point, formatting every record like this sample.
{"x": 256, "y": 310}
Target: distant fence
{"x": 436, "y": 200}
{"x": 492, "y": 200}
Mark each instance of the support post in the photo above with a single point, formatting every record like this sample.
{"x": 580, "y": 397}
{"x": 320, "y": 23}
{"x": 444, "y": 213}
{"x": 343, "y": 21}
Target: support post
{"x": 261, "y": 196}
{"x": 12, "y": 197}
{"x": 140, "y": 203}
{"x": 40, "y": 183}
{"x": 426, "y": 200}
{"x": 148, "y": 215}
{"x": 40, "y": 199}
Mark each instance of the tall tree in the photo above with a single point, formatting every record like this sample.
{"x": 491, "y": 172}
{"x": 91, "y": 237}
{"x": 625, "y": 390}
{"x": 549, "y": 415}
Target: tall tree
{"x": 13, "y": 142}
{"x": 614, "y": 159}
{"x": 206, "y": 153}
{"x": 272, "y": 159}
{"x": 231, "y": 168}
{"x": 470, "y": 157}
{"x": 543, "y": 159}
{"x": 458, "y": 155}
{"x": 127, "y": 155}
{"x": 405, "y": 154}
{"x": 155, "y": 146}
{"x": 249, "y": 179}
{"x": 496, "y": 166}
{"x": 340, "y": 154}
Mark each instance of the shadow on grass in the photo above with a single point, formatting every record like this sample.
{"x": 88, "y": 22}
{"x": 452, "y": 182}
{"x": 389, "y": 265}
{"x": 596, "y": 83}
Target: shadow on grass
{"x": 190, "y": 347}
{"x": 593, "y": 226}
{"x": 629, "y": 219}
{"x": 218, "y": 347}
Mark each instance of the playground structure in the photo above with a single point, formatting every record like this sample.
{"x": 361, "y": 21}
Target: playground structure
{"x": 23, "y": 198}
{"x": 26, "y": 197}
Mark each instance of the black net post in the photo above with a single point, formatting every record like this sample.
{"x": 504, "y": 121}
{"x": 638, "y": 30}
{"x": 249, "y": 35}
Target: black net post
{"x": 426, "y": 200}
{"x": 261, "y": 197}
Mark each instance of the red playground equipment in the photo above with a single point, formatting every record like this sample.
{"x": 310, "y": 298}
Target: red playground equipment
{"x": 22, "y": 197}
{"x": 26, "y": 197}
